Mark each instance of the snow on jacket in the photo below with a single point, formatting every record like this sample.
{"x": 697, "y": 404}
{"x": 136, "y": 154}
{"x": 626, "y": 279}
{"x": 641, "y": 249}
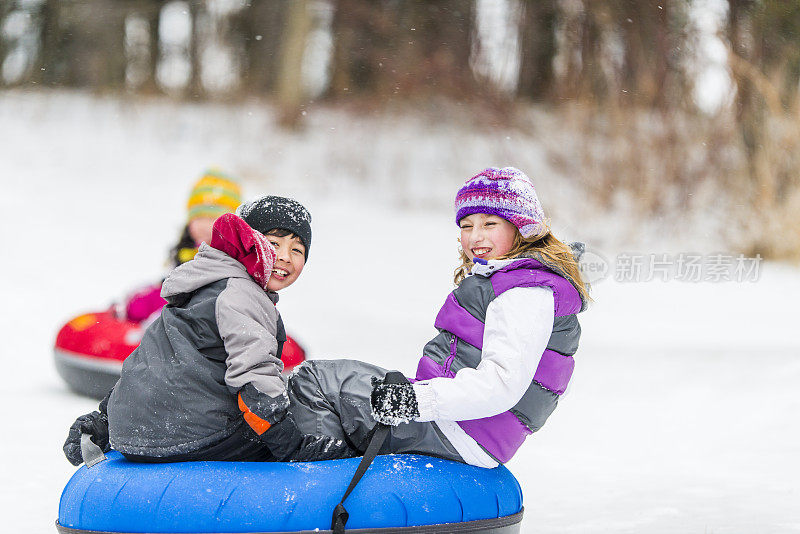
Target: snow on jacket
{"x": 503, "y": 355}
{"x": 220, "y": 335}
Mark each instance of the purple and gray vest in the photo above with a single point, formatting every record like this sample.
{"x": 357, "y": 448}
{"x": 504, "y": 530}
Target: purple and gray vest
{"x": 458, "y": 345}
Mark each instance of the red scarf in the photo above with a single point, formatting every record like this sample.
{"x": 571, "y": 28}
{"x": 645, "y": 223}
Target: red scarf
{"x": 235, "y": 238}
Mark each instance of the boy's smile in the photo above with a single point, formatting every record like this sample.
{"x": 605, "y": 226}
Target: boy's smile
{"x": 486, "y": 236}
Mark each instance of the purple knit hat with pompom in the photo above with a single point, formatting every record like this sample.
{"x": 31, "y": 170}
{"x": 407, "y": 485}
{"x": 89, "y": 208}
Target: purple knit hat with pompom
{"x": 507, "y": 193}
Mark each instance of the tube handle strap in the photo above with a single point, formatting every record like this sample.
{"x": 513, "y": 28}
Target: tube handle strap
{"x": 91, "y": 453}
{"x": 340, "y": 514}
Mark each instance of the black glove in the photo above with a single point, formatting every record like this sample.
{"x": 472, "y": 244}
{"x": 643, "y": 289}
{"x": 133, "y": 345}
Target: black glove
{"x": 316, "y": 448}
{"x": 94, "y": 423}
{"x": 393, "y": 401}
{"x": 288, "y": 444}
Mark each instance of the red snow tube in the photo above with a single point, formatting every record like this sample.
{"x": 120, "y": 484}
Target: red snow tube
{"x": 90, "y": 349}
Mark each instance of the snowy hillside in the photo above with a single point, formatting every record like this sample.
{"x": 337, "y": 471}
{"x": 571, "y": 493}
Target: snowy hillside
{"x": 682, "y": 414}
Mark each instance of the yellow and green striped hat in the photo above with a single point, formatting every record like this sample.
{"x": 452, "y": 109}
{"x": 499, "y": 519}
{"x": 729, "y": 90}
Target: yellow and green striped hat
{"x": 213, "y": 195}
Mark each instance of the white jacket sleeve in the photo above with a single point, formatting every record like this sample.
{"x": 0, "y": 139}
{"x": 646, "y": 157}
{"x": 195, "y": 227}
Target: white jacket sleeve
{"x": 518, "y": 326}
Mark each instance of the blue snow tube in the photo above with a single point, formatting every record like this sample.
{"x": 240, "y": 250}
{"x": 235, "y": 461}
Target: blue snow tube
{"x": 399, "y": 493}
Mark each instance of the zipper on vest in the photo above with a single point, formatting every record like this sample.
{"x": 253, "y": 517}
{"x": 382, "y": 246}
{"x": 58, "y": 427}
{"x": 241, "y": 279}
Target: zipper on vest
{"x": 453, "y": 351}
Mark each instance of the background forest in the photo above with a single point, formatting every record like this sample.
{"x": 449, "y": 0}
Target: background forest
{"x": 660, "y": 109}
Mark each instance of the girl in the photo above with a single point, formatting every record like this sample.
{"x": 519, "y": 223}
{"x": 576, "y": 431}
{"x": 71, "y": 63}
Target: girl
{"x": 205, "y": 383}
{"x": 503, "y": 354}
{"x": 213, "y": 195}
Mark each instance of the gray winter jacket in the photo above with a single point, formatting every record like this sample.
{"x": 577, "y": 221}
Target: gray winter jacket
{"x": 220, "y": 335}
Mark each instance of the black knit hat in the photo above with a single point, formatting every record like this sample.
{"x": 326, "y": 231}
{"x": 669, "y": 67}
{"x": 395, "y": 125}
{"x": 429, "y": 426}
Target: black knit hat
{"x": 270, "y": 212}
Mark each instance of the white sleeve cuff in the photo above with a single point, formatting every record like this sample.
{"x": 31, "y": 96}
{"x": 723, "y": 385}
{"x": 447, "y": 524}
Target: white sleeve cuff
{"x": 426, "y": 402}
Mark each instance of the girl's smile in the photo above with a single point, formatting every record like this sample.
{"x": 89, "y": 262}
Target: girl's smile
{"x": 486, "y": 236}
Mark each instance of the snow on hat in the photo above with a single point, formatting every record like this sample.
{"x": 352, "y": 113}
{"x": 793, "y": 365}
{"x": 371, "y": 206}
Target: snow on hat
{"x": 213, "y": 195}
{"x": 506, "y": 192}
{"x": 271, "y": 212}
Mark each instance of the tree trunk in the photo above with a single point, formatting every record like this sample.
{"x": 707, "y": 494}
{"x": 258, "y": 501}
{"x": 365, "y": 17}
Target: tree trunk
{"x": 592, "y": 83}
{"x": 290, "y": 91}
{"x": 194, "y": 89}
{"x": 46, "y": 71}
{"x": 359, "y": 32}
{"x": 260, "y": 26}
{"x": 5, "y": 9}
{"x": 750, "y": 109}
{"x": 113, "y": 51}
{"x": 389, "y": 49}
{"x": 153, "y": 17}
{"x": 648, "y": 75}
{"x": 538, "y": 46}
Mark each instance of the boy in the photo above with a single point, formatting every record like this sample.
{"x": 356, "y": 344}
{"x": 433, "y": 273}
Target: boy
{"x": 205, "y": 383}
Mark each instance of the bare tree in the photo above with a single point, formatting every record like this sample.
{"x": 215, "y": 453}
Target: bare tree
{"x": 290, "y": 91}
{"x": 538, "y": 46}
{"x": 765, "y": 62}
{"x": 653, "y": 41}
{"x": 5, "y": 10}
{"x": 260, "y": 26}
{"x": 403, "y": 49}
{"x": 48, "y": 63}
{"x": 151, "y": 9}
{"x": 194, "y": 89}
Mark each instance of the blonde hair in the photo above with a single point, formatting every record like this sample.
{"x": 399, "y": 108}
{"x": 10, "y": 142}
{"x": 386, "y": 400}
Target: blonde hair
{"x": 545, "y": 247}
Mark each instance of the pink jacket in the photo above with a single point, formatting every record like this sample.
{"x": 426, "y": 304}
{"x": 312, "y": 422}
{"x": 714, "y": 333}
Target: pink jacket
{"x": 144, "y": 303}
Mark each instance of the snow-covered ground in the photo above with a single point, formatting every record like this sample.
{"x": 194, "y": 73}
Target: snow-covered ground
{"x": 682, "y": 414}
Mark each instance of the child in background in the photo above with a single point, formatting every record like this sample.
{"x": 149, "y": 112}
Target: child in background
{"x": 503, "y": 354}
{"x": 205, "y": 383}
{"x": 213, "y": 195}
